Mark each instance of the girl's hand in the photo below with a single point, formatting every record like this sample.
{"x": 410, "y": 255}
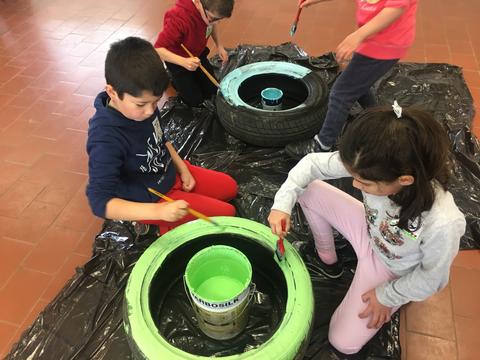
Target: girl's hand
{"x": 191, "y": 63}
{"x": 173, "y": 211}
{"x": 188, "y": 181}
{"x": 277, "y": 219}
{"x": 380, "y": 314}
{"x": 345, "y": 49}
{"x": 222, "y": 53}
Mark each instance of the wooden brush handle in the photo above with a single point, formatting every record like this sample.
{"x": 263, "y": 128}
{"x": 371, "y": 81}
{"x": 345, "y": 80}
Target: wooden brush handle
{"x": 205, "y": 71}
{"x": 195, "y": 213}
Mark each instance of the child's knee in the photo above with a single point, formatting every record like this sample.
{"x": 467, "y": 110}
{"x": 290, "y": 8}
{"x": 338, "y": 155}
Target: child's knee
{"x": 228, "y": 210}
{"x": 230, "y": 188}
{"x": 312, "y": 193}
{"x": 344, "y": 343}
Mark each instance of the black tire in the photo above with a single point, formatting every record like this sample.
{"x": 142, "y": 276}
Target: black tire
{"x": 303, "y": 119}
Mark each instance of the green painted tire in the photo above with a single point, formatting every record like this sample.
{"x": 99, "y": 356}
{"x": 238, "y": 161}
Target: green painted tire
{"x": 293, "y": 331}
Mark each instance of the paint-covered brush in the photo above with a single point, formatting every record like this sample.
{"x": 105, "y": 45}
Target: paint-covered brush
{"x": 280, "y": 248}
{"x": 293, "y": 28}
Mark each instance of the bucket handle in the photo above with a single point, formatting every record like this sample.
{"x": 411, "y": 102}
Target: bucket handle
{"x": 253, "y": 290}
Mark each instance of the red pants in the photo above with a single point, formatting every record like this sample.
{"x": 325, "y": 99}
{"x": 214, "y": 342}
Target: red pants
{"x": 212, "y": 190}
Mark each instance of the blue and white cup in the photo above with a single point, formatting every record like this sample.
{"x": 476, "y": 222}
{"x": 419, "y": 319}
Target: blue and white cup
{"x": 272, "y": 99}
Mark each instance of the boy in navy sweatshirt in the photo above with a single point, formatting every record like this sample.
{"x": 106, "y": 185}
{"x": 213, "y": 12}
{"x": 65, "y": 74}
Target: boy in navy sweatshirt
{"x": 191, "y": 22}
{"x": 129, "y": 152}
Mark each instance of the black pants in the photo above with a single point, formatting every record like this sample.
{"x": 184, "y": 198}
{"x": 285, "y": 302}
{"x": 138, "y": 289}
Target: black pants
{"x": 193, "y": 87}
{"x": 352, "y": 85}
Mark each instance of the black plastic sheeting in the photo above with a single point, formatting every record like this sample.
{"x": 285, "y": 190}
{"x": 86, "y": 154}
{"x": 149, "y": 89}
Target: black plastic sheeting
{"x": 84, "y": 321}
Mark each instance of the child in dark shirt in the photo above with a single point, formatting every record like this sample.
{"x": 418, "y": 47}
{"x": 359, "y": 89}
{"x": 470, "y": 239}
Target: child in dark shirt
{"x": 129, "y": 152}
{"x": 191, "y": 22}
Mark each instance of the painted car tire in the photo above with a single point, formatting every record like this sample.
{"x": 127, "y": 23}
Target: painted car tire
{"x": 288, "y": 341}
{"x": 265, "y": 127}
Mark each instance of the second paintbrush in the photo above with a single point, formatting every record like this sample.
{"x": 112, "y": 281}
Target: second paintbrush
{"x": 293, "y": 28}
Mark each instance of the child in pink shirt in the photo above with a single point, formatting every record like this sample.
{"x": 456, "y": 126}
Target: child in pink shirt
{"x": 393, "y": 41}
{"x": 386, "y": 29}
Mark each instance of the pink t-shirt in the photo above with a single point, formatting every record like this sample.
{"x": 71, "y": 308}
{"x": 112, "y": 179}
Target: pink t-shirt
{"x": 393, "y": 41}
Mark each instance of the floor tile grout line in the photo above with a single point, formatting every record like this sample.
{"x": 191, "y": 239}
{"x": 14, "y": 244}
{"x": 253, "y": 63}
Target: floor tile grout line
{"x": 453, "y": 317}
{"x": 21, "y": 267}
{"x": 8, "y": 323}
{"x": 18, "y": 240}
{"x": 432, "y": 336}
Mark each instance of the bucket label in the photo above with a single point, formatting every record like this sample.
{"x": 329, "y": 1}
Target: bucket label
{"x": 222, "y": 305}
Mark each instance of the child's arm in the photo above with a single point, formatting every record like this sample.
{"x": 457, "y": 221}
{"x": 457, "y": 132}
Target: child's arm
{"x": 221, "y": 50}
{"x": 119, "y": 209}
{"x": 106, "y": 159}
{"x": 188, "y": 181}
{"x": 381, "y": 21}
{"x": 314, "y": 166}
{"x": 322, "y": 166}
{"x": 189, "y": 63}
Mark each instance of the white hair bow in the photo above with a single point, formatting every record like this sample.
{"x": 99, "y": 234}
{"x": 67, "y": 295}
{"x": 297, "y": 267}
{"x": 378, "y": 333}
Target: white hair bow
{"x": 397, "y": 109}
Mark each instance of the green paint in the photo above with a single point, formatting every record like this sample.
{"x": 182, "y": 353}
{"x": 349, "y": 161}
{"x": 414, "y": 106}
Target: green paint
{"x": 219, "y": 288}
{"x": 218, "y": 273}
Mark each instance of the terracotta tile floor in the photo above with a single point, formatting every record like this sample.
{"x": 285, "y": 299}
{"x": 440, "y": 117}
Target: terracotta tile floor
{"x": 51, "y": 67}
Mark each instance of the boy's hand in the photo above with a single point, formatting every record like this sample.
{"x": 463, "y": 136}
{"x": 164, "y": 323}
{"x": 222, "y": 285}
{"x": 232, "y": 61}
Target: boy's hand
{"x": 379, "y": 314}
{"x": 275, "y": 219}
{"x": 191, "y": 63}
{"x": 188, "y": 181}
{"x": 173, "y": 211}
{"x": 222, "y": 53}
{"x": 346, "y": 48}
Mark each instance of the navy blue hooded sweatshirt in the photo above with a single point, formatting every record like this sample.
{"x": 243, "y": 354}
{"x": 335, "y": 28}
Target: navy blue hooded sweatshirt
{"x": 125, "y": 157}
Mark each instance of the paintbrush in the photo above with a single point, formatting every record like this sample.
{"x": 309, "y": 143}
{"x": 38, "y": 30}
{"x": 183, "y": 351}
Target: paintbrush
{"x": 205, "y": 71}
{"x": 195, "y": 213}
{"x": 293, "y": 28}
{"x": 280, "y": 248}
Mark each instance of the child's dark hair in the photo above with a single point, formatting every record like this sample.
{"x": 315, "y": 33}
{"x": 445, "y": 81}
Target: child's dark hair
{"x": 132, "y": 66}
{"x": 222, "y": 8}
{"x": 378, "y": 146}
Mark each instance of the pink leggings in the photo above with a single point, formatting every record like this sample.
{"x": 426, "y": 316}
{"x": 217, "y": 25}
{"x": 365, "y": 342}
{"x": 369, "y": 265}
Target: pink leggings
{"x": 325, "y": 207}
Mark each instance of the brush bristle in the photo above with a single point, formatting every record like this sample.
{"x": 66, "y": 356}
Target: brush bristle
{"x": 280, "y": 250}
{"x": 292, "y": 30}
{"x": 279, "y": 254}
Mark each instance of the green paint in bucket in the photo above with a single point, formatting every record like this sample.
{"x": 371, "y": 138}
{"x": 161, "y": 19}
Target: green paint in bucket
{"x": 218, "y": 279}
